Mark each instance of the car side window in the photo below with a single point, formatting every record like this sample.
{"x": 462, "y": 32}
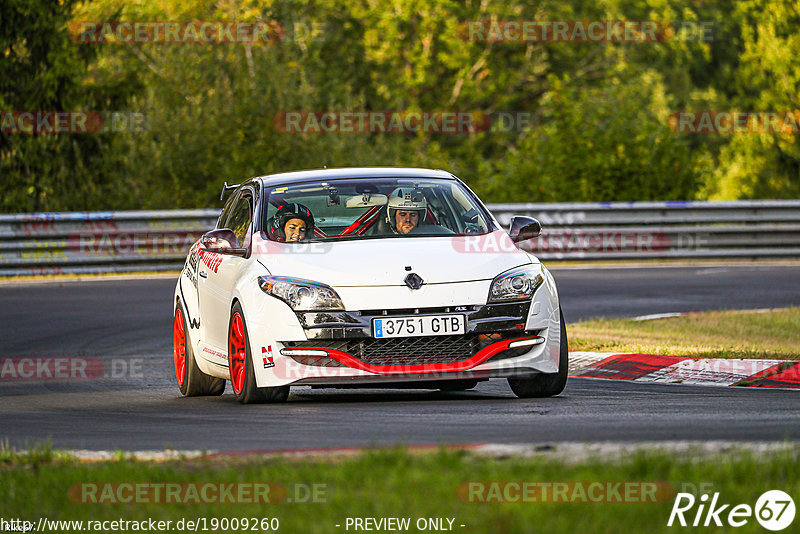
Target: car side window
{"x": 240, "y": 218}
{"x": 226, "y": 210}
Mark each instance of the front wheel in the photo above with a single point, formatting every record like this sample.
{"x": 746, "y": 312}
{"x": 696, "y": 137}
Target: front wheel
{"x": 240, "y": 362}
{"x": 545, "y": 384}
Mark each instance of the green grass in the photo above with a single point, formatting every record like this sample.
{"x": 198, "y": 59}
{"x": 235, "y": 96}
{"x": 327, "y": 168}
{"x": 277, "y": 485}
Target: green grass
{"x": 33, "y": 456}
{"x": 397, "y": 483}
{"x": 722, "y": 334}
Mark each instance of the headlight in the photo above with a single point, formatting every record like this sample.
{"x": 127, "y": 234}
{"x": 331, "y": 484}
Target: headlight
{"x": 519, "y": 283}
{"x": 301, "y": 295}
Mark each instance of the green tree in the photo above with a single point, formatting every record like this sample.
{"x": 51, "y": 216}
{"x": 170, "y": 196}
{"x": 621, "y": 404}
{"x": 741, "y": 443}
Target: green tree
{"x": 41, "y": 70}
{"x": 600, "y": 109}
{"x": 603, "y": 144}
{"x": 764, "y": 165}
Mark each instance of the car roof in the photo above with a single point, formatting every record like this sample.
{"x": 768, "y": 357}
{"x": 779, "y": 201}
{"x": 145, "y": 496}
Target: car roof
{"x": 284, "y": 178}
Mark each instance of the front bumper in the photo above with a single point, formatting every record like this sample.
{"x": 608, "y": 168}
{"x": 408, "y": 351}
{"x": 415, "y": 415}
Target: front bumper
{"x": 338, "y": 348}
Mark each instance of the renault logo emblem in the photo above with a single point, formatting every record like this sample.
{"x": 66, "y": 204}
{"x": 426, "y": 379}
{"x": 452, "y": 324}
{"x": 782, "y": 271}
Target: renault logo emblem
{"x": 414, "y": 281}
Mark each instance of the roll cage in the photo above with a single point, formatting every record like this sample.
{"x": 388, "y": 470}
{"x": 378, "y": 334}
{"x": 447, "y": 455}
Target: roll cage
{"x": 256, "y": 187}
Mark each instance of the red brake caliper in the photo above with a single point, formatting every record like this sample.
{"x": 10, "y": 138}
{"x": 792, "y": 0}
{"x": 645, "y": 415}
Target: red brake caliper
{"x": 179, "y": 347}
{"x": 237, "y": 353}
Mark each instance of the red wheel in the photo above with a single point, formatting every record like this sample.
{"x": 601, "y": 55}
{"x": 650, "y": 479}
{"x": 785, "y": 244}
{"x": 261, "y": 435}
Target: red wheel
{"x": 237, "y": 359}
{"x": 191, "y": 380}
{"x": 179, "y": 347}
{"x": 240, "y": 364}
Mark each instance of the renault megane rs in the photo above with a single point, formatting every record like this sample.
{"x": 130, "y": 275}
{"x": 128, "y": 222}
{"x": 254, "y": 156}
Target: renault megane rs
{"x": 364, "y": 277}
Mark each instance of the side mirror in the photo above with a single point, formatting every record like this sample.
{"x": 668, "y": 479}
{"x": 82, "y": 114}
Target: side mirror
{"x": 523, "y": 228}
{"x": 222, "y": 241}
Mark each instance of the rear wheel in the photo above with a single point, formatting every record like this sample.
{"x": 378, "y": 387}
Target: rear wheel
{"x": 240, "y": 362}
{"x": 191, "y": 380}
{"x": 545, "y": 384}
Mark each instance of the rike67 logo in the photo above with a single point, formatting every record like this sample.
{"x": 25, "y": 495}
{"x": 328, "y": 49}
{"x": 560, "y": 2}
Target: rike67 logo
{"x": 774, "y": 510}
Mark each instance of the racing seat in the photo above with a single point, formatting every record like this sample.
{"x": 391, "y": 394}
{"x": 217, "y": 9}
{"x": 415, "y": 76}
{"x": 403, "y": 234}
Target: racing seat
{"x": 269, "y": 227}
{"x": 381, "y": 227}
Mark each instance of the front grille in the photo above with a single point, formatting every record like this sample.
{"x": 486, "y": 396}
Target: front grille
{"x": 417, "y": 311}
{"x": 402, "y": 351}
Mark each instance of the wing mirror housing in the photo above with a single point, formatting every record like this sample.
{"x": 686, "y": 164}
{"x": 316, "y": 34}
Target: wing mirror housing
{"x": 523, "y": 228}
{"x": 222, "y": 241}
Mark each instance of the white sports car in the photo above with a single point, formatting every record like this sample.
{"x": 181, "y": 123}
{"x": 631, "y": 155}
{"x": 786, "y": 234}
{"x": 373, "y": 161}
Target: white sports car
{"x": 364, "y": 277}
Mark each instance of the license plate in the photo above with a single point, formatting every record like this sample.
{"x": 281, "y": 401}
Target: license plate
{"x": 425, "y": 325}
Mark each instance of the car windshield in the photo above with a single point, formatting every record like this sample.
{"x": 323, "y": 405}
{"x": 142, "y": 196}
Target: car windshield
{"x": 370, "y": 208}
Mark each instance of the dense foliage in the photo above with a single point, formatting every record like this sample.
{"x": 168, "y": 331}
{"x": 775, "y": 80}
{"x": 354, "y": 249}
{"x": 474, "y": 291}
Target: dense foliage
{"x": 600, "y": 127}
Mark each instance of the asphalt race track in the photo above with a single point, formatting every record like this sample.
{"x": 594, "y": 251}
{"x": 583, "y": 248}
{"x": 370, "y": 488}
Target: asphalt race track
{"x": 135, "y": 405}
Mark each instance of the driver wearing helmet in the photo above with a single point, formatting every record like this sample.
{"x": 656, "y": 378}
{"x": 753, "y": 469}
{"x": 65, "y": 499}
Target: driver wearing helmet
{"x": 405, "y": 210}
{"x": 292, "y": 222}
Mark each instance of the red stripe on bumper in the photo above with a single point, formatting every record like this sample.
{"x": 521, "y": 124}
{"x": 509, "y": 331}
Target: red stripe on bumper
{"x": 479, "y": 357}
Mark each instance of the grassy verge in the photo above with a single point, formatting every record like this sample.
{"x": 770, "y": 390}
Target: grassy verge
{"x": 722, "y": 334}
{"x": 396, "y": 483}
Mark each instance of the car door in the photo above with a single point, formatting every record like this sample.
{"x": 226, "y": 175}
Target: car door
{"x": 190, "y": 280}
{"x": 218, "y": 274}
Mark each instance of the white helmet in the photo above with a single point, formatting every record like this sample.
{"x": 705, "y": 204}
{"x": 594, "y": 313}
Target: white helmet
{"x": 405, "y": 199}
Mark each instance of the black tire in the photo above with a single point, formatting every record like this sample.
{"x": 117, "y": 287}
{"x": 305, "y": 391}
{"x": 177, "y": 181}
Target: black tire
{"x": 195, "y": 382}
{"x": 458, "y": 385}
{"x": 248, "y": 392}
{"x": 545, "y": 384}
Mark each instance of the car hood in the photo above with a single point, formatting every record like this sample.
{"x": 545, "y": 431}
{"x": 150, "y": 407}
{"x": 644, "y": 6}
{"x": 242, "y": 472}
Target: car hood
{"x": 387, "y": 261}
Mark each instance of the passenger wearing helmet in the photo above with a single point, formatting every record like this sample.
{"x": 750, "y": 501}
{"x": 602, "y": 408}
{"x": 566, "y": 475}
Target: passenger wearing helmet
{"x": 405, "y": 210}
{"x": 292, "y": 222}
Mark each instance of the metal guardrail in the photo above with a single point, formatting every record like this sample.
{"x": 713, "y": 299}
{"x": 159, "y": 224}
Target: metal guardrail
{"x": 125, "y": 241}
{"x": 748, "y": 229}
{"x": 99, "y": 242}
